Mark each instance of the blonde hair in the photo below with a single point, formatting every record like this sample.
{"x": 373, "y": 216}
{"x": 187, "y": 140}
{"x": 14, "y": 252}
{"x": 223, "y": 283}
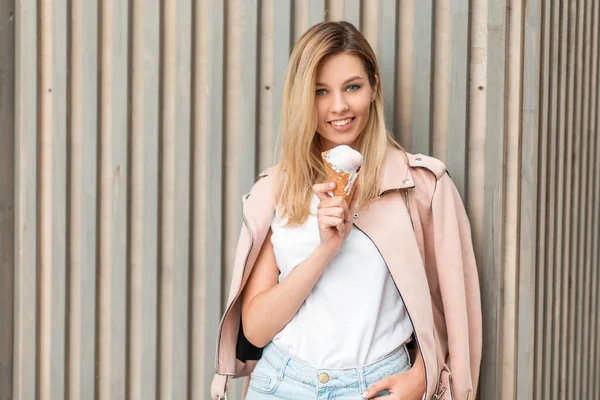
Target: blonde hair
{"x": 300, "y": 160}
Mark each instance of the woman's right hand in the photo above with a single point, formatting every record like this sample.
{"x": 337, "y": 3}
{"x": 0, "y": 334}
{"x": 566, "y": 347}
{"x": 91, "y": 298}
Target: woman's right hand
{"x": 334, "y": 217}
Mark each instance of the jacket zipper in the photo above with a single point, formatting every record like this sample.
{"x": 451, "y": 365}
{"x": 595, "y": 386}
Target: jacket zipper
{"x": 247, "y": 225}
{"x": 402, "y": 298}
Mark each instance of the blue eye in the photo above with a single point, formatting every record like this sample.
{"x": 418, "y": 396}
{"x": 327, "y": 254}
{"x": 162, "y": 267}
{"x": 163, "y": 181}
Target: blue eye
{"x": 352, "y": 88}
{"x": 320, "y": 92}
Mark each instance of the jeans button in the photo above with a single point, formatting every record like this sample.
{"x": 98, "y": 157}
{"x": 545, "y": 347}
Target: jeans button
{"x": 323, "y": 378}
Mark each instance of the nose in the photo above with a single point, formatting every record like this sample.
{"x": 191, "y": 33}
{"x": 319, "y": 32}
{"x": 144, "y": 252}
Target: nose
{"x": 340, "y": 105}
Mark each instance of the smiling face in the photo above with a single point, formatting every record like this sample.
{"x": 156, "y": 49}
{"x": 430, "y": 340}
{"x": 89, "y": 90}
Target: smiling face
{"x": 342, "y": 99}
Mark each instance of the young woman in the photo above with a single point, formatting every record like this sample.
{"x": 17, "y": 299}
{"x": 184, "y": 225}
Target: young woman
{"x": 376, "y": 298}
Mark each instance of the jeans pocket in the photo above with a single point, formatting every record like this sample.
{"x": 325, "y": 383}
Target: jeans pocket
{"x": 264, "y": 379}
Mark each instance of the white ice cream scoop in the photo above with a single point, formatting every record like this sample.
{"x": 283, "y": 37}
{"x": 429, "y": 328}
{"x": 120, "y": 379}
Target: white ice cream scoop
{"x": 345, "y": 158}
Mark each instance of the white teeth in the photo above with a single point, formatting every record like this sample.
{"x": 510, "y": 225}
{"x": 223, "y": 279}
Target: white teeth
{"x": 341, "y": 122}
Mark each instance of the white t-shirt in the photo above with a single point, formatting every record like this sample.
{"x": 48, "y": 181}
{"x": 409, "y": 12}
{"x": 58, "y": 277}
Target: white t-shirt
{"x": 354, "y": 315}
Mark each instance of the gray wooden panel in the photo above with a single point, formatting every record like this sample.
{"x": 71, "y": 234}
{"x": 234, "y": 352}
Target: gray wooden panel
{"x": 422, "y": 77}
{"x": 212, "y": 195}
{"x": 595, "y": 333}
{"x": 528, "y": 201}
{"x": 387, "y": 54}
{"x": 143, "y": 201}
{"x": 82, "y": 169}
{"x": 282, "y": 47}
{"x": 352, "y": 12}
{"x": 181, "y": 261}
{"x": 119, "y": 221}
{"x": 26, "y": 203}
{"x": 457, "y": 105}
{"x": 567, "y": 49}
{"x": 58, "y": 194}
{"x": 560, "y": 315}
{"x": 112, "y": 321}
{"x": 316, "y": 12}
{"x": 149, "y": 264}
{"x": 7, "y": 194}
{"x": 594, "y": 368}
{"x": 540, "y": 319}
{"x": 585, "y": 227}
{"x": 578, "y": 188}
{"x": 550, "y": 364}
{"x": 491, "y": 272}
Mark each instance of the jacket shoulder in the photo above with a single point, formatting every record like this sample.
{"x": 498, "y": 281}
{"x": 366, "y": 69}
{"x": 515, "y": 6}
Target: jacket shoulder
{"x": 264, "y": 182}
{"x": 421, "y": 161}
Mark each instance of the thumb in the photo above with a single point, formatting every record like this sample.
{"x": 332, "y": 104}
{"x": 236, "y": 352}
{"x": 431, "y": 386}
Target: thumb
{"x": 375, "y": 388}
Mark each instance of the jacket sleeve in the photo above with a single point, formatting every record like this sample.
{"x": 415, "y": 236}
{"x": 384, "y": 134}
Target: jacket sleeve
{"x": 459, "y": 287}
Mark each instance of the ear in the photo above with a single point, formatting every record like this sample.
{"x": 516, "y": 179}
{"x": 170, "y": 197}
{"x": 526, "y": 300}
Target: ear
{"x": 375, "y": 88}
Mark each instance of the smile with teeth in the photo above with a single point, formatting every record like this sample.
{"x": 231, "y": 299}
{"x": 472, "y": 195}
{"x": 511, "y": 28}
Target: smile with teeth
{"x": 341, "y": 122}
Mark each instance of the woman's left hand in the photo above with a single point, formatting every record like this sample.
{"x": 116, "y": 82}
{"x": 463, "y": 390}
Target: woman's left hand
{"x": 409, "y": 385}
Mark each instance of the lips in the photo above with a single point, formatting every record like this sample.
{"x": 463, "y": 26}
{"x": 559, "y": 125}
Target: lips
{"x": 341, "y": 122}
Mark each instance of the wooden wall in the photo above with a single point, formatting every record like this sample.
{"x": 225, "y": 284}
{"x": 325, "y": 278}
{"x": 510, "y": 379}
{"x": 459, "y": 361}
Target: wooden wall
{"x": 131, "y": 129}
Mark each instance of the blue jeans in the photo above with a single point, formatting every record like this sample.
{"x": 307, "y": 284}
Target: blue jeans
{"x": 278, "y": 376}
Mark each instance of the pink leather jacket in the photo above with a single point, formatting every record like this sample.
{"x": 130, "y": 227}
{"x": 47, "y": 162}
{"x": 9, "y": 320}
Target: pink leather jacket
{"x": 420, "y": 226}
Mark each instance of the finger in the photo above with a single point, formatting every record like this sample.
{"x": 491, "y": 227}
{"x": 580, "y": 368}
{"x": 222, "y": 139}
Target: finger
{"x": 330, "y": 222}
{"x": 354, "y": 199}
{"x": 322, "y": 189}
{"x": 332, "y": 212}
{"x": 335, "y": 201}
{"x": 383, "y": 384}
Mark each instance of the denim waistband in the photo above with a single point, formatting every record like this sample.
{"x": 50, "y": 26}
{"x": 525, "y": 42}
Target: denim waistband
{"x": 394, "y": 362}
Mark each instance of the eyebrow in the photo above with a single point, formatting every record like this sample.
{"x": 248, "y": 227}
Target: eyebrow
{"x": 347, "y": 81}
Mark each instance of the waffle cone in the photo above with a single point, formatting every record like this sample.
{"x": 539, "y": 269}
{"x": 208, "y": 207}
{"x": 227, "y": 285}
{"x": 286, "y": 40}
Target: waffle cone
{"x": 340, "y": 178}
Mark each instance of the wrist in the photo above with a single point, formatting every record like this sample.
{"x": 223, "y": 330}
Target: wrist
{"x": 326, "y": 252}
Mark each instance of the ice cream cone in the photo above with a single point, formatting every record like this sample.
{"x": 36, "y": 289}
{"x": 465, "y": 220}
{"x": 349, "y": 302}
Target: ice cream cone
{"x": 340, "y": 178}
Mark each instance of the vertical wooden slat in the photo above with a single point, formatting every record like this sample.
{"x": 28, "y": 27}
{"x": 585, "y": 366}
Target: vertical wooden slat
{"x": 569, "y": 268}
{"x": 387, "y": 55}
{"x": 282, "y": 47}
{"x": 26, "y": 201}
{"x": 596, "y": 235}
{"x": 491, "y": 272}
{"x": 404, "y": 62}
{"x": 207, "y": 306}
{"x": 82, "y": 170}
{"x": 181, "y": 262}
{"x": 334, "y": 10}
{"x": 440, "y": 69}
{"x": 240, "y": 123}
{"x": 584, "y": 231}
{"x": 532, "y": 37}
{"x": 594, "y": 367}
{"x": 559, "y": 315}
{"x": 352, "y": 12}
{"x": 565, "y": 187}
{"x": 113, "y": 167}
{"x": 456, "y": 153}
{"x": 143, "y": 204}
{"x": 551, "y": 372}
{"x": 540, "y": 320}
{"x": 7, "y": 194}
{"x": 52, "y": 184}
{"x": 174, "y": 199}
{"x": 316, "y": 11}
{"x": 512, "y": 168}
{"x": 422, "y": 77}
{"x": 578, "y": 200}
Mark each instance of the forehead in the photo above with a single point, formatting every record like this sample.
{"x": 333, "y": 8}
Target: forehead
{"x": 338, "y": 67}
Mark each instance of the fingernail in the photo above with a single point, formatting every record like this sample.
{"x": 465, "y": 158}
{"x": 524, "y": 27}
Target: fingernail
{"x": 331, "y": 184}
{"x": 364, "y": 394}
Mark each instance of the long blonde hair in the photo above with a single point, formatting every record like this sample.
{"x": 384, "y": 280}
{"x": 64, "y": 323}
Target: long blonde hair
{"x": 300, "y": 160}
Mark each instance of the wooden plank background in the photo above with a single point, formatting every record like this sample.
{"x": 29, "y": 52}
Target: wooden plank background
{"x": 137, "y": 126}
